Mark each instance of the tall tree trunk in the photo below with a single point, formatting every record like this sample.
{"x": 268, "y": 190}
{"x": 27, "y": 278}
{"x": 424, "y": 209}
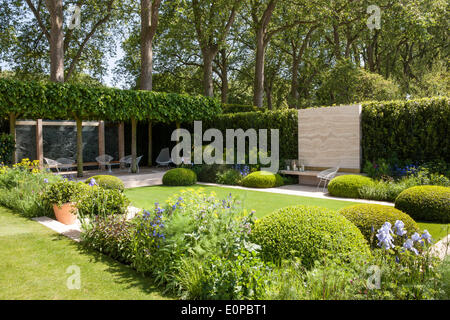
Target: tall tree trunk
{"x": 259, "y": 69}
{"x": 55, "y": 7}
{"x": 208, "y": 56}
{"x": 294, "y": 83}
{"x": 224, "y": 67}
{"x": 79, "y": 147}
{"x": 149, "y": 24}
{"x": 133, "y": 145}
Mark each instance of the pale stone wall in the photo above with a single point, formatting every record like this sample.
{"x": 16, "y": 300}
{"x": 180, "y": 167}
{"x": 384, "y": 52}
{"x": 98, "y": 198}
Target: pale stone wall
{"x": 330, "y": 136}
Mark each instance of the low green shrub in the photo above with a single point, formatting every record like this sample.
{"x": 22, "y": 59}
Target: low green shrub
{"x": 61, "y": 192}
{"x": 107, "y": 182}
{"x": 93, "y": 200}
{"x": 230, "y": 177}
{"x": 426, "y": 203}
{"x": 310, "y": 233}
{"x": 207, "y": 172}
{"x": 348, "y": 186}
{"x": 179, "y": 177}
{"x": 262, "y": 179}
{"x": 370, "y": 217}
{"x": 110, "y": 235}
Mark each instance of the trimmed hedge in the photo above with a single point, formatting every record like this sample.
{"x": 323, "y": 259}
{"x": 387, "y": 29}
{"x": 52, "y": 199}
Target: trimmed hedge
{"x": 368, "y": 216}
{"x": 310, "y": 233}
{"x": 262, "y": 179}
{"x": 284, "y": 120}
{"x": 426, "y": 203}
{"x": 48, "y": 100}
{"x": 415, "y": 130}
{"x": 347, "y": 186}
{"x": 235, "y": 108}
{"x": 108, "y": 182}
{"x": 179, "y": 177}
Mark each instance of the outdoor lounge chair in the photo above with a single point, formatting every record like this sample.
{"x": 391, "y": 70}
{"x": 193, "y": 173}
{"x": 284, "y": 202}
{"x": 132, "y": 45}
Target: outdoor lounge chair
{"x": 164, "y": 158}
{"x": 50, "y": 163}
{"x": 105, "y": 160}
{"x": 326, "y": 176}
{"x": 128, "y": 160}
{"x": 65, "y": 163}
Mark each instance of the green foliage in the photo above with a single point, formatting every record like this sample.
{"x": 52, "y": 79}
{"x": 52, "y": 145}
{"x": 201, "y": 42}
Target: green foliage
{"x": 345, "y": 84}
{"x": 426, "y": 203}
{"x": 7, "y": 148}
{"x": 414, "y": 130}
{"x": 370, "y": 217}
{"x": 37, "y": 100}
{"x": 348, "y": 186}
{"x": 61, "y": 192}
{"x": 284, "y": 120}
{"x": 107, "y": 182}
{"x": 236, "y": 108}
{"x": 310, "y": 233}
{"x": 22, "y": 191}
{"x": 262, "y": 179}
{"x": 229, "y": 177}
{"x": 378, "y": 169}
{"x": 95, "y": 200}
{"x": 110, "y": 235}
{"x": 208, "y": 172}
{"x": 179, "y": 177}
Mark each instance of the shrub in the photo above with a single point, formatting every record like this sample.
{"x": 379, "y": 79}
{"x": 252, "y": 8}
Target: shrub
{"x": 7, "y": 147}
{"x": 262, "y": 179}
{"x": 426, "y": 203}
{"x": 310, "y": 233}
{"x": 230, "y": 177}
{"x": 235, "y": 108}
{"x": 107, "y": 182}
{"x": 370, "y": 217}
{"x": 348, "y": 186}
{"x": 110, "y": 235}
{"x": 62, "y": 192}
{"x": 179, "y": 177}
{"x": 94, "y": 200}
{"x": 208, "y": 173}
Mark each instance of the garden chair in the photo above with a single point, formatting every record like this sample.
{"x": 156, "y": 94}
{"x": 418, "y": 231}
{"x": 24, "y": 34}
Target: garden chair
{"x": 164, "y": 158}
{"x": 65, "y": 163}
{"x": 128, "y": 160}
{"x": 326, "y": 176}
{"x": 105, "y": 160}
{"x": 50, "y": 163}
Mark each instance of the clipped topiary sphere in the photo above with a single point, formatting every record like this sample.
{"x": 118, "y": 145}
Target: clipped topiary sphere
{"x": 348, "y": 186}
{"x": 262, "y": 179}
{"x": 366, "y": 216}
{"x": 179, "y": 177}
{"x": 425, "y": 203}
{"x": 310, "y": 233}
{"x": 108, "y": 182}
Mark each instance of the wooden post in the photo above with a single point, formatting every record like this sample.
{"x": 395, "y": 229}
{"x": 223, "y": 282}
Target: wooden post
{"x": 121, "y": 141}
{"x": 39, "y": 143}
{"x": 150, "y": 144}
{"x": 12, "y": 131}
{"x": 79, "y": 147}
{"x": 101, "y": 140}
{"x": 133, "y": 145}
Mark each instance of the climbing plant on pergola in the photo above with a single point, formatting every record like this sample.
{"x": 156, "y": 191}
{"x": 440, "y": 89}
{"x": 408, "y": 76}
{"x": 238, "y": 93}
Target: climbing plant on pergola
{"x": 63, "y": 101}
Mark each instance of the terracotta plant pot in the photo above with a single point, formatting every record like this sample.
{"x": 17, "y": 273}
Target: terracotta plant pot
{"x": 65, "y": 214}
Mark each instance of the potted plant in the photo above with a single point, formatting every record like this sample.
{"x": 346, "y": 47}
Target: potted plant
{"x": 61, "y": 195}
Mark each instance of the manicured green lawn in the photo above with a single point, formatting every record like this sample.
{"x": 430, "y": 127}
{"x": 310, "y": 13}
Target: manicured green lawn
{"x": 263, "y": 202}
{"x": 34, "y": 261}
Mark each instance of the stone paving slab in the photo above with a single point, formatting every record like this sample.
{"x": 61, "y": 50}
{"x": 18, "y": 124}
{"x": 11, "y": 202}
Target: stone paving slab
{"x": 72, "y": 231}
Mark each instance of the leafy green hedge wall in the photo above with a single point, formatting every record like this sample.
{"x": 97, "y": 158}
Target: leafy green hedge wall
{"x": 415, "y": 130}
{"x": 235, "y": 108}
{"x": 284, "y": 120}
{"x": 47, "y": 100}
{"x": 7, "y": 147}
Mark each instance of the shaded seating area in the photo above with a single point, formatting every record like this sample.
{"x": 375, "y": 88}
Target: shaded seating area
{"x": 41, "y": 104}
